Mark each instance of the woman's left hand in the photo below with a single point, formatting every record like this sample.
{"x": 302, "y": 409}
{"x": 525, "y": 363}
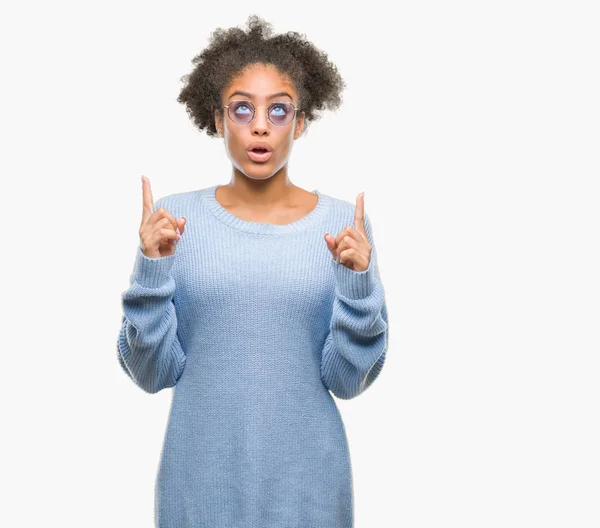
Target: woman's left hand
{"x": 351, "y": 246}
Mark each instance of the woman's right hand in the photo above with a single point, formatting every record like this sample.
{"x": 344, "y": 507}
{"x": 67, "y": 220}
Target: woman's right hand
{"x": 159, "y": 231}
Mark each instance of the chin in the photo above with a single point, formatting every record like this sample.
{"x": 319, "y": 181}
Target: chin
{"x": 255, "y": 171}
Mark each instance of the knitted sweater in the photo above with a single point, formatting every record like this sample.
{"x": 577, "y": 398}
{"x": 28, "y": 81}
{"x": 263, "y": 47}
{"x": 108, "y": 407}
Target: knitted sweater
{"x": 253, "y": 324}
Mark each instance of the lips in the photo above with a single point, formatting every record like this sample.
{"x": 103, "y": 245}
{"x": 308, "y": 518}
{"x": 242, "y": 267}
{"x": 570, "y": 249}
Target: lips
{"x": 259, "y": 156}
{"x": 259, "y": 151}
{"x": 263, "y": 145}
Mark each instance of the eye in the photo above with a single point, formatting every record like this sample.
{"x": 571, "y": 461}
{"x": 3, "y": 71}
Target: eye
{"x": 242, "y": 108}
{"x": 279, "y": 109}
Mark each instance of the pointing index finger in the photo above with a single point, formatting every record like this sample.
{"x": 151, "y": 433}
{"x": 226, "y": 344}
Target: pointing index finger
{"x": 359, "y": 213}
{"x": 147, "y": 201}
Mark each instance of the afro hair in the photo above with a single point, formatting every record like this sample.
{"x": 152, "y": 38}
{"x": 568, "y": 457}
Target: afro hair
{"x": 317, "y": 80}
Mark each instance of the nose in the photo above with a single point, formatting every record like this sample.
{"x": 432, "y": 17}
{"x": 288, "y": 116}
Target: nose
{"x": 260, "y": 123}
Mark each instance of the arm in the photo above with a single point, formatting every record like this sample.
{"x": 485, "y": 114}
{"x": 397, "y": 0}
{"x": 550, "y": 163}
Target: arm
{"x": 355, "y": 348}
{"x": 148, "y": 348}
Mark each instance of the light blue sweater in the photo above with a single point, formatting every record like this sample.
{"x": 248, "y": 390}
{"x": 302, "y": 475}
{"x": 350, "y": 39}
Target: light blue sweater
{"x": 253, "y": 324}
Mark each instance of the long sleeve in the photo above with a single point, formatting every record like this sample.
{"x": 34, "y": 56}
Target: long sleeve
{"x": 148, "y": 348}
{"x": 356, "y": 346}
{"x": 265, "y": 353}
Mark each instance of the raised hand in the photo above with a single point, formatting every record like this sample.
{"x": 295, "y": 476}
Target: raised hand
{"x": 351, "y": 246}
{"x": 159, "y": 231}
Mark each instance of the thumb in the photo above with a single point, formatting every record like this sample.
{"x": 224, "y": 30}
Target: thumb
{"x": 331, "y": 244}
{"x": 181, "y": 224}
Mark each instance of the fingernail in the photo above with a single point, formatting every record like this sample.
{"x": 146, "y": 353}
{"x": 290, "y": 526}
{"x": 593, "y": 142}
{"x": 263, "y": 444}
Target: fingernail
{"x": 177, "y": 231}
{"x": 179, "y": 237}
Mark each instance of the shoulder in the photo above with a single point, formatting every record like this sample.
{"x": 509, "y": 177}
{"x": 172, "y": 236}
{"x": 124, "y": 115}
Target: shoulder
{"x": 177, "y": 202}
{"x": 343, "y": 211}
{"x": 339, "y": 206}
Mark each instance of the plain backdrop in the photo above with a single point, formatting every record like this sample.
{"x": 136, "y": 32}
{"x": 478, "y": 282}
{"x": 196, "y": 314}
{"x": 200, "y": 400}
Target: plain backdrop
{"x": 473, "y": 129}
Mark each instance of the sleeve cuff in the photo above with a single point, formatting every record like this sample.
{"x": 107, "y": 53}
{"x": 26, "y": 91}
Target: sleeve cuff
{"x": 354, "y": 284}
{"x": 152, "y": 272}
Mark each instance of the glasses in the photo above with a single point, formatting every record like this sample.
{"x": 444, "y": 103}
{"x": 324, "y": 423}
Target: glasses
{"x": 243, "y": 112}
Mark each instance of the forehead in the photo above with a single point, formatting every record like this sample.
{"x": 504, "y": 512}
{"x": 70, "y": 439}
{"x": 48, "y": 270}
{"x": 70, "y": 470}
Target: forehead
{"x": 261, "y": 81}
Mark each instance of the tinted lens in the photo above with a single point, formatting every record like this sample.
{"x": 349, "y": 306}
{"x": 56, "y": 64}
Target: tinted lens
{"x": 241, "y": 112}
{"x": 281, "y": 113}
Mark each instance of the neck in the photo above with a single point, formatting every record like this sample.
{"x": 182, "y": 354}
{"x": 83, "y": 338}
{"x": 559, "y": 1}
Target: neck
{"x": 276, "y": 189}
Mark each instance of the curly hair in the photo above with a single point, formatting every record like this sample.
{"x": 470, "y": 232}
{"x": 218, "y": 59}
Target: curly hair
{"x": 316, "y": 80}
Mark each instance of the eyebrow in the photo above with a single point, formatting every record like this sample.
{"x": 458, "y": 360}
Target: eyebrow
{"x": 251, "y": 96}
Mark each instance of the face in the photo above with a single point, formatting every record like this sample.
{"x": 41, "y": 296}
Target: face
{"x": 260, "y": 83}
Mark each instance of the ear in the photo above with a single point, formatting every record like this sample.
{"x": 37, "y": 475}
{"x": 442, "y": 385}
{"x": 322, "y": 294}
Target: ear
{"x": 218, "y": 123}
{"x": 299, "y": 125}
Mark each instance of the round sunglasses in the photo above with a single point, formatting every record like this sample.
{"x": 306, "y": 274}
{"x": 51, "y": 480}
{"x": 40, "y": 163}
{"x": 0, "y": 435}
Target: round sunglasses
{"x": 243, "y": 112}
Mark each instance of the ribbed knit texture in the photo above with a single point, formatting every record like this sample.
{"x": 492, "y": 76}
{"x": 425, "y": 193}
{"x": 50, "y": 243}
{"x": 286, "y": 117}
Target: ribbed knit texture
{"x": 253, "y": 324}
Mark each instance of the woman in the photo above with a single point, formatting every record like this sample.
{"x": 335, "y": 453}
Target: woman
{"x": 254, "y": 300}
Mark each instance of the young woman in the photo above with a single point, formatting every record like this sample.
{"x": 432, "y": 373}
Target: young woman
{"x": 253, "y": 300}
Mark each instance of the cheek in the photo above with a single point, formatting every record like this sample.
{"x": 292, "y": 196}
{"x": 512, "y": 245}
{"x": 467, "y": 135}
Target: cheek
{"x": 286, "y": 143}
{"x": 235, "y": 146}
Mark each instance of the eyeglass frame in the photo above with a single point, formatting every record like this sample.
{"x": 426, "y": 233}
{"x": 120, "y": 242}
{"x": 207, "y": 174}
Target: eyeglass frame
{"x": 257, "y": 107}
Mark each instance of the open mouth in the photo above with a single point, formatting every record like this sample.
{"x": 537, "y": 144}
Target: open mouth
{"x": 259, "y": 154}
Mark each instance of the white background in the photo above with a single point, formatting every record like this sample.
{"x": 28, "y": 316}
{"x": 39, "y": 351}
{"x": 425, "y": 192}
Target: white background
{"x": 473, "y": 129}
